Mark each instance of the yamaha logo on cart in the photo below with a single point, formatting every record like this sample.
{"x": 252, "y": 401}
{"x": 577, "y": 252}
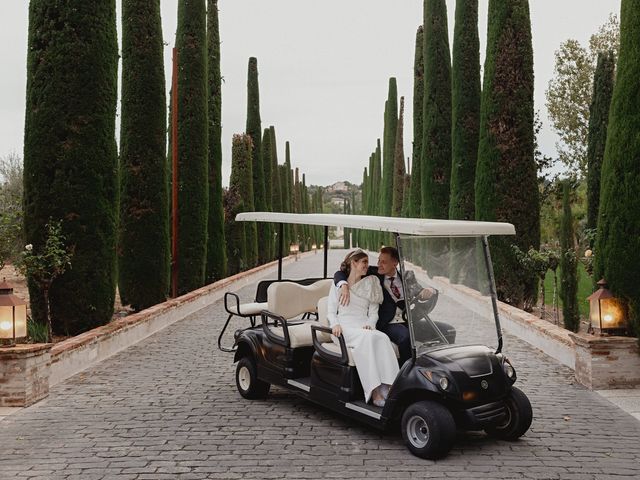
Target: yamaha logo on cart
{"x": 484, "y": 384}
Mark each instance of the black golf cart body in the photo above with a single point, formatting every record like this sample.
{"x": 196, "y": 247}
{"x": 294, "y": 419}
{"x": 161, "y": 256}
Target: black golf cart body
{"x": 444, "y": 386}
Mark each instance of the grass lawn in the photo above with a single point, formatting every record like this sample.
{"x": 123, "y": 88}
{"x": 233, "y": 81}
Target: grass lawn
{"x": 584, "y": 290}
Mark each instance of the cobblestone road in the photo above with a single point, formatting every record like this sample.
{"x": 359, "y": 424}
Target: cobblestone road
{"x": 167, "y": 408}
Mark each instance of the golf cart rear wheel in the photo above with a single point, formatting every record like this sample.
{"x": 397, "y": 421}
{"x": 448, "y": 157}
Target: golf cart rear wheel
{"x": 428, "y": 429}
{"x": 247, "y": 380}
{"x": 518, "y": 417}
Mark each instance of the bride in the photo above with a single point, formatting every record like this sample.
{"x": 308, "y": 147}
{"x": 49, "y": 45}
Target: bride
{"x": 373, "y": 354}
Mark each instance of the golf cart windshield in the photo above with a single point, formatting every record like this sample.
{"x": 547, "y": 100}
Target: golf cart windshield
{"x": 447, "y": 291}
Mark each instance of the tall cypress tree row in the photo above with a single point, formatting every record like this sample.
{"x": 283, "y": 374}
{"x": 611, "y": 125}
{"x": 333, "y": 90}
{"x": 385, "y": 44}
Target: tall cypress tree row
{"x": 398, "y": 165}
{"x": 193, "y": 145}
{"x": 598, "y": 121}
{"x": 143, "y": 247}
{"x": 241, "y": 198}
{"x": 436, "y": 141}
{"x": 216, "y": 251}
{"x": 465, "y": 110}
{"x": 506, "y": 186}
{"x": 568, "y": 264}
{"x": 267, "y": 244}
{"x": 618, "y": 240}
{"x": 388, "y": 145}
{"x": 415, "y": 199}
{"x": 70, "y": 158}
{"x": 254, "y": 130}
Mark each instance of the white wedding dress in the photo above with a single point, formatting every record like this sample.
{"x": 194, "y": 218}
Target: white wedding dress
{"x": 373, "y": 354}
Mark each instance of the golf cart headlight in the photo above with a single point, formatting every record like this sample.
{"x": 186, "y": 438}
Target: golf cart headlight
{"x": 508, "y": 369}
{"x": 444, "y": 383}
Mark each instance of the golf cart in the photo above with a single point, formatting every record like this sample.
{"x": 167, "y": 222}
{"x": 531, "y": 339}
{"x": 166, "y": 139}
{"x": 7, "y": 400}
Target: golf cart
{"x": 445, "y": 386}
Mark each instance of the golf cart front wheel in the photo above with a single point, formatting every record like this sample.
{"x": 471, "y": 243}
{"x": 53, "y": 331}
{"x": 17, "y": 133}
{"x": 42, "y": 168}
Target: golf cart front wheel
{"x": 518, "y": 417}
{"x": 247, "y": 380}
{"x": 428, "y": 429}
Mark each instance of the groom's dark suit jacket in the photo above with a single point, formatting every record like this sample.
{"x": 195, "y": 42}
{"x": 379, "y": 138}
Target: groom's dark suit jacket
{"x": 387, "y": 310}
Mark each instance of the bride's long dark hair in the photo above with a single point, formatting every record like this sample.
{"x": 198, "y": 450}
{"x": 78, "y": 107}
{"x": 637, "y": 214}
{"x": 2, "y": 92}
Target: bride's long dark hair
{"x": 354, "y": 256}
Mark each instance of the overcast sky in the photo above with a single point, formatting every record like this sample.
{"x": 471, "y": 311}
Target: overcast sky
{"x": 323, "y": 69}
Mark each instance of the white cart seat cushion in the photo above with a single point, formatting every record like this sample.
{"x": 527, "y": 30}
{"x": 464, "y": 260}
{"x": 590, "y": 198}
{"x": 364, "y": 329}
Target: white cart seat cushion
{"x": 299, "y": 335}
{"x": 246, "y": 309}
{"x": 289, "y": 299}
{"x": 322, "y": 320}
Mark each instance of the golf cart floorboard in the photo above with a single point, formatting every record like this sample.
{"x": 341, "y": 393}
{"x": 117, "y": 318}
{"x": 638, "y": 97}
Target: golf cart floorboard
{"x": 302, "y": 383}
{"x": 364, "y": 408}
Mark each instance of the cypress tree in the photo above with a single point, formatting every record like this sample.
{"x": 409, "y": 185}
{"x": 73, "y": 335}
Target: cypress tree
{"x": 143, "y": 250}
{"x": 70, "y": 158}
{"x": 398, "y": 166}
{"x": 436, "y": 141}
{"x": 568, "y": 264}
{"x": 292, "y": 230}
{"x": 193, "y": 145}
{"x": 465, "y": 110}
{"x": 286, "y": 230}
{"x": 276, "y": 189}
{"x": 267, "y": 244}
{"x": 254, "y": 130}
{"x": 598, "y": 121}
{"x": 216, "y": 251}
{"x": 418, "y": 99}
{"x": 618, "y": 240}
{"x": 376, "y": 187}
{"x": 406, "y": 200}
{"x": 506, "y": 187}
{"x": 389, "y": 144}
{"x": 241, "y": 193}
{"x": 346, "y": 244}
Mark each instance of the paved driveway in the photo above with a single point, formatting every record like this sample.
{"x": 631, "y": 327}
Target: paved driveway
{"x": 167, "y": 408}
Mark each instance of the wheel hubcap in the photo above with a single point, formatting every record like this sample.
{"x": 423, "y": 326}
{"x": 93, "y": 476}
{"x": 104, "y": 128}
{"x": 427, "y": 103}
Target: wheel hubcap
{"x": 244, "y": 378}
{"x": 417, "y": 431}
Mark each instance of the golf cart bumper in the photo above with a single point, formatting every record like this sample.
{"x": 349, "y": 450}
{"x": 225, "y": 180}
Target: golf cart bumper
{"x": 483, "y": 415}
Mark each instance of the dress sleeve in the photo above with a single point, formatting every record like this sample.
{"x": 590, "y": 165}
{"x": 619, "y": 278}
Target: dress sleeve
{"x": 332, "y": 306}
{"x": 372, "y": 316}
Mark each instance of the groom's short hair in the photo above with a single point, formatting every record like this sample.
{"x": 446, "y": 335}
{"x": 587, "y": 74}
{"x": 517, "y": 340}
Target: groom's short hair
{"x": 392, "y": 252}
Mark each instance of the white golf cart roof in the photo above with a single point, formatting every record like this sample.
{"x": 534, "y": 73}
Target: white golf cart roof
{"x": 408, "y": 226}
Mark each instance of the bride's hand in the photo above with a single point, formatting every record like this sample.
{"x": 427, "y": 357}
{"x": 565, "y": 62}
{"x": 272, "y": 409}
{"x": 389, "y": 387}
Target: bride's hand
{"x": 337, "y": 330}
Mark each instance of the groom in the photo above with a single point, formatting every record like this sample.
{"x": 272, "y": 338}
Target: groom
{"x": 393, "y": 303}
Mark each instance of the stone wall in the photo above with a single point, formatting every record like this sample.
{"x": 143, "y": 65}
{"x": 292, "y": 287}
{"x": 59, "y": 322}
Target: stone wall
{"x": 24, "y": 374}
{"x": 607, "y": 362}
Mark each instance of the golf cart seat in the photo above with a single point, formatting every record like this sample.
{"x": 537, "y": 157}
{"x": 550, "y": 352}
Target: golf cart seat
{"x": 288, "y": 300}
{"x": 325, "y": 339}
